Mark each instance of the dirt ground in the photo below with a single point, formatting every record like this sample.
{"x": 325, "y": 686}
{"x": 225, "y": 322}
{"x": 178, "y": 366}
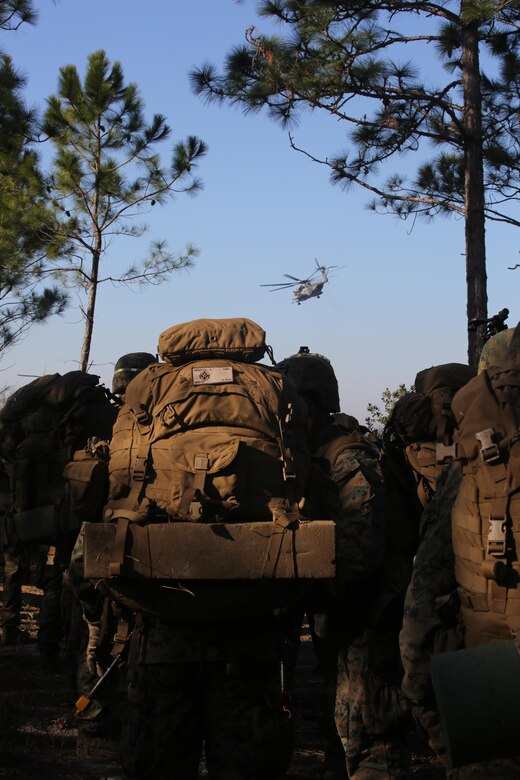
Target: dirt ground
{"x": 39, "y": 737}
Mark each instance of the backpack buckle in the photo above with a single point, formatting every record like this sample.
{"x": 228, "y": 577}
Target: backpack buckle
{"x": 489, "y": 451}
{"x": 288, "y": 469}
{"x": 195, "y": 511}
{"x": 143, "y": 417}
{"x": 444, "y": 452}
{"x": 201, "y": 461}
{"x": 139, "y": 470}
{"x": 496, "y": 541}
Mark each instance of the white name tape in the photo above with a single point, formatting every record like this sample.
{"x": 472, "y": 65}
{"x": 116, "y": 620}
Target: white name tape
{"x": 212, "y": 375}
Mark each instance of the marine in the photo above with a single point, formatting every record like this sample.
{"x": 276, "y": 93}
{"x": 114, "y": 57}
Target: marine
{"x": 99, "y": 719}
{"x": 345, "y": 624}
{"x": 458, "y": 597}
{"x": 41, "y": 424}
{"x": 203, "y": 673}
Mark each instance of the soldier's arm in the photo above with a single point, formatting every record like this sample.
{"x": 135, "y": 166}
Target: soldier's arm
{"x": 360, "y": 538}
{"x": 430, "y": 609}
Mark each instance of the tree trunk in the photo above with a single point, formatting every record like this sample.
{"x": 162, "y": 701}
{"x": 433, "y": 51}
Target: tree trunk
{"x": 476, "y": 278}
{"x": 89, "y": 311}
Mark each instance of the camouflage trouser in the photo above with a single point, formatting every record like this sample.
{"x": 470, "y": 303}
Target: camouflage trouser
{"x": 50, "y": 580}
{"x": 74, "y": 628}
{"x": 14, "y": 570}
{"x": 17, "y": 562}
{"x": 235, "y": 711}
{"x": 371, "y": 715}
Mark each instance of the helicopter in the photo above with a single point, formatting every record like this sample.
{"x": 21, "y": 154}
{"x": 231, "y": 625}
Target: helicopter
{"x": 305, "y": 288}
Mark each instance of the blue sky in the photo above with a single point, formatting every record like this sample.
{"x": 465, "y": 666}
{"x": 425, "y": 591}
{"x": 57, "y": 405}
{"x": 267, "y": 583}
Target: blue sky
{"x": 398, "y": 304}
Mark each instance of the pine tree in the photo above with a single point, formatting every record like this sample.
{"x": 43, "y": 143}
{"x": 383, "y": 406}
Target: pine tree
{"x": 27, "y": 238}
{"x": 348, "y": 59}
{"x": 106, "y": 171}
{"x": 14, "y": 13}
{"x": 27, "y": 247}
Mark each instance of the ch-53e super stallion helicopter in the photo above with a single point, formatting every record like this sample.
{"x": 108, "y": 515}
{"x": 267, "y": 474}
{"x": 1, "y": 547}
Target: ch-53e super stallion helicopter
{"x": 305, "y": 288}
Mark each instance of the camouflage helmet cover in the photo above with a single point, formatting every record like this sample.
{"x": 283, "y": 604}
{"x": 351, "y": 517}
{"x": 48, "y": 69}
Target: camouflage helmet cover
{"x": 495, "y": 349}
{"x": 312, "y": 374}
{"x": 127, "y": 367}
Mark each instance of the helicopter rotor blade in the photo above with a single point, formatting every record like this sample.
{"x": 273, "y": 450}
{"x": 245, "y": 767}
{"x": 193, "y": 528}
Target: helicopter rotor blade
{"x": 294, "y": 277}
{"x": 281, "y": 285}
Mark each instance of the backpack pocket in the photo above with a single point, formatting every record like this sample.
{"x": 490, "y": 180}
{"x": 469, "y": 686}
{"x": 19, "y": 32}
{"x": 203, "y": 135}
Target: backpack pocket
{"x": 228, "y": 473}
{"x": 87, "y": 479}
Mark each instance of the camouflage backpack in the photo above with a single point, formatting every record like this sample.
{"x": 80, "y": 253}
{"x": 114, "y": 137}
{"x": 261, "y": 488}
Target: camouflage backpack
{"x": 206, "y": 443}
{"x": 486, "y": 514}
{"x": 42, "y": 425}
{"x": 422, "y": 423}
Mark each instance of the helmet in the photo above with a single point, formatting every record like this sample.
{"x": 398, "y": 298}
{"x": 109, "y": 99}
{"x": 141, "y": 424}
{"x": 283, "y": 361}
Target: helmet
{"x": 127, "y": 367}
{"x": 496, "y": 349}
{"x": 312, "y": 374}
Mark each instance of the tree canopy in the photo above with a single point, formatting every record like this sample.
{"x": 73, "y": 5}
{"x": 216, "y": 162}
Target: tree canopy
{"x": 379, "y": 414}
{"x": 26, "y": 217}
{"x": 28, "y": 243}
{"x": 361, "y": 63}
{"x": 13, "y": 13}
{"x": 106, "y": 171}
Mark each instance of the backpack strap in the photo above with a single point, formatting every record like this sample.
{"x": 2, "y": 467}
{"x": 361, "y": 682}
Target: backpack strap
{"x": 122, "y": 635}
{"x": 284, "y": 522}
{"x": 445, "y": 448}
{"x": 116, "y": 564}
{"x": 139, "y": 468}
{"x": 189, "y": 506}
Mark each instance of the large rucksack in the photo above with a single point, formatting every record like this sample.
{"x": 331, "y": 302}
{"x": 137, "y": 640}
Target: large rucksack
{"x": 422, "y": 424}
{"x": 208, "y": 464}
{"x": 208, "y": 436}
{"x": 42, "y": 425}
{"x": 486, "y": 514}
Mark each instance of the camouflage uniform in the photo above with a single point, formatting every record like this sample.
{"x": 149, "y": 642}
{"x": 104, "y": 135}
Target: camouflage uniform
{"x": 13, "y": 576}
{"x": 345, "y": 627}
{"x": 495, "y": 348}
{"x": 430, "y": 622}
{"x": 17, "y": 562}
{"x": 369, "y": 708}
{"x": 216, "y": 684}
{"x": 12, "y": 571}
